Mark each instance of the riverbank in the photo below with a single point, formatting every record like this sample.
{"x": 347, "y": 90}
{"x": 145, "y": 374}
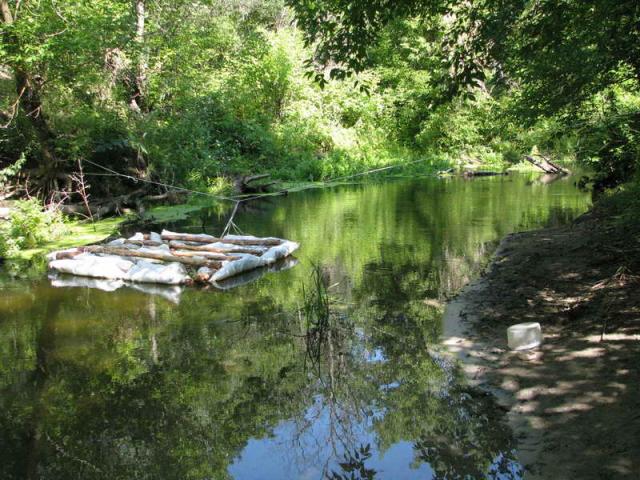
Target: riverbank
{"x": 573, "y": 403}
{"x": 79, "y": 232}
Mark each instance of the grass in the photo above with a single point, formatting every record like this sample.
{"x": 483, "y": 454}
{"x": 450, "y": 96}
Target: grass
{"x": 78, "y": 233}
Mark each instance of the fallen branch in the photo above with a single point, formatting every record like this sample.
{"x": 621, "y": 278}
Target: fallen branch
{"x": 546, "y": 165}
{"x": 253, "y": 178}
{"x": 473, "y": 173}
{"x": 246, "y": 184}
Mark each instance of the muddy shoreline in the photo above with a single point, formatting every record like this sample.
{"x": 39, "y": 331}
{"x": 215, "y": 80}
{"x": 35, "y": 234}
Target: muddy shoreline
{"x": 573, "y": 403}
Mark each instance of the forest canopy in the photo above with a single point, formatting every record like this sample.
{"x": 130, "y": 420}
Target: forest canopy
{"x": 196, "y": 92}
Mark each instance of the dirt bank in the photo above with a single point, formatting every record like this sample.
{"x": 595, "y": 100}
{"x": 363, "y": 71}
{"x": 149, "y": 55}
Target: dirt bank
{"x": 573, "y": 403}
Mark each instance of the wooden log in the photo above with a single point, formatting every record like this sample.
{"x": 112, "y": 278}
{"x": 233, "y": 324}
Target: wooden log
{"x": 203, "y": 239}
{"x": 473, "y": 173}
{"x": 67, "y": 254}
{"x": 205, "y": 254}
{"x": 144, "y": 243}
{"x": 198, "y": 247}
{"x": 546, "y": 165}
{"x": 253, "y": 178}
{"x": 162, "y": 256}
{"x": 245, "y": 184}
{"x": 104, "y": 207}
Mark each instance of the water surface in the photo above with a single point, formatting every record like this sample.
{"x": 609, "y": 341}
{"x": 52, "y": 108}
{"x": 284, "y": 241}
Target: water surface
{"x": 239, "y": 384}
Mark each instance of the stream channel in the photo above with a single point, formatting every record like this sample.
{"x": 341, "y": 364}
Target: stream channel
{"x": 205, "y": 384}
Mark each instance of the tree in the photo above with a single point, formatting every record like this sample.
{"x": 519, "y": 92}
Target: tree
{"x": 558, "y": 53}
{"x": 28, "y": 82}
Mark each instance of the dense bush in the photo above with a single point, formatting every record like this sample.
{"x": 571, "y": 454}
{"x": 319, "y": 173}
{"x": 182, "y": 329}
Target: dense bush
{"x": 29, "y": 226}
{"x": 226, "y": 92}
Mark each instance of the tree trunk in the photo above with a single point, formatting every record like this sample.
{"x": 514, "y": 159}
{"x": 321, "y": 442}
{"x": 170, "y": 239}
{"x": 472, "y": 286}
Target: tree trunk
{"x": 6, "y": 12}
{"x": 28, "y": 91}
{"x": 138, "y": 99}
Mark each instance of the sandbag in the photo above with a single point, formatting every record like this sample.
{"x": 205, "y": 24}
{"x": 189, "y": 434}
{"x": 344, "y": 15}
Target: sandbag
{"x": 148, "y": 272}
{"x": 118, "y": 242}
{"x": 164, "y": 248}
{"x": 278, "y": 252}
{"x": 88, "y": 265}
{"x": 229, "y": 269}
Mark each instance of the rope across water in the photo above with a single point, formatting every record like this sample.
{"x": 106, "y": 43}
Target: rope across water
{"x": 238, "y": 199}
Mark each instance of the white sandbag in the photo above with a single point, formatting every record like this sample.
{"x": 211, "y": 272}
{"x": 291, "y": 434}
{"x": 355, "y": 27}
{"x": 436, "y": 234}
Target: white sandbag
{"x": 148, "y": 272}
{"x": 118, "y": 242}
{"x": 88, "y": 265}
{"x": 280, "y": 251}
{"x": 86, "y": 282}
{"x": 523, "y": 336}
{"x": 230, "y": 268}
{"x": 139, "y": 237}
{"x": 164, "y": 248}
{"x": 155, "y": 237}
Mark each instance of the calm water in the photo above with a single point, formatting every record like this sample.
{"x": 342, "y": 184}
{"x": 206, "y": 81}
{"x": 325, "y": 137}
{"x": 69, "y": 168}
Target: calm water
{"x": 208, "y": 384}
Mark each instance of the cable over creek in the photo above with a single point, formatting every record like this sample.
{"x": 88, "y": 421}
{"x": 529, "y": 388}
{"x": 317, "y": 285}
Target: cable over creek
{"x": 171, "y": 258}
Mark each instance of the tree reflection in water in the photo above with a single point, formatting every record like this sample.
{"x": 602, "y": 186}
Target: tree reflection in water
{"x": 240, "y": 384}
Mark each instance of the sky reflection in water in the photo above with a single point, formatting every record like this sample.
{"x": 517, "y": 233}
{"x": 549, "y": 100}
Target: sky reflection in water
{"x": 224, "y": 384}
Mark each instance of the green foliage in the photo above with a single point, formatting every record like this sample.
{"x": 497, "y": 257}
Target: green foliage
{"x": 7, "y": 173}
{"x": 139, "y": 387}
{"x": 543, "y": 62}
{"x": 29, "y": 226}
{"x": 624, "y": 204}
{"x": 608, "y": 135}
{"x": 226, "y": 88}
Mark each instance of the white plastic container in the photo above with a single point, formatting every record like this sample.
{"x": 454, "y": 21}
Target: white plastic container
{"x": 524, "y": 336}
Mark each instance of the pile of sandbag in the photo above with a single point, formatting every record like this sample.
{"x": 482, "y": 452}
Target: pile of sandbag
{"x": 172, "y": 258}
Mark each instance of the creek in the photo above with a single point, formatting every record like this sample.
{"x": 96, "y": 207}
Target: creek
{"x": 240, "y": 384}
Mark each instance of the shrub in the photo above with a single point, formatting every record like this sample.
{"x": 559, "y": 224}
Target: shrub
{"x": 30, "y": 225}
